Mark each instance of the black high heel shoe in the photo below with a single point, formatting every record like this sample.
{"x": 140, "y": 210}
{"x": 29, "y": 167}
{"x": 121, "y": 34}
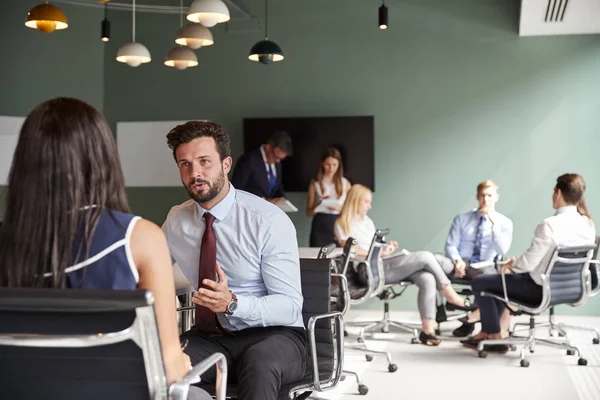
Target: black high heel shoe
{"x": 467, "y": 307}
{"x": 426, "y": 338}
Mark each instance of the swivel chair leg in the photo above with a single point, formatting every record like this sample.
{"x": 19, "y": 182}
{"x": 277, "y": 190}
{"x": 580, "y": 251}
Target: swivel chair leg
{"x": 362, "y": 388}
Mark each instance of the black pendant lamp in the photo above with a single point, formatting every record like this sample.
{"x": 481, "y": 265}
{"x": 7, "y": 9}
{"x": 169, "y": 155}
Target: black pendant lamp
{"x": 266, "y": 51}
{"x": 105, "y": 28}
{"x": 383, "y": 16}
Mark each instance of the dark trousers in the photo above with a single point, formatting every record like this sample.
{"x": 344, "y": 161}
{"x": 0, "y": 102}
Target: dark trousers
{"x": 519, "y": 287}
{"x": 260, "y": 360}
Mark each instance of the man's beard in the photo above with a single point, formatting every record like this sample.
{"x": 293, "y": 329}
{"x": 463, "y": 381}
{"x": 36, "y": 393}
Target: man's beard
{"x": 214, "y": 188}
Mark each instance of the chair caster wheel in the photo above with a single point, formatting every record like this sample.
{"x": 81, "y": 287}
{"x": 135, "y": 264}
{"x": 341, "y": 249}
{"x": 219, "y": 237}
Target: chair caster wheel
{"x": 570, "y": 352}
{"x": 561, "y": 334}
{"x": 512, "y": 348}
{"x": 524, "y": 363}
{"x": 414, "y": 341}
{"x": 345, "y": 333}
{"x": 482, "y": 354}
{"x": 360, "y": 340}
{"x": 582, "y": 361}
{"x": 438, "y": 331}
{"x": 394, "y": 367}
{"x": 363, "y": 389}
{"x": 368, "y": 357}
{"x": 531, "y": 351}
{"x": 385, "y": 329}
{"x": 596, "y": 341}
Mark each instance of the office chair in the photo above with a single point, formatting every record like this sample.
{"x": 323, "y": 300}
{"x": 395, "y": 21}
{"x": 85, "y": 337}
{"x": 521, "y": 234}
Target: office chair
{"x": 366, "y": 280}
{"x": 89, "y": 344}
{"x": 566, "y": 280}
{"x": 324, "y": 330}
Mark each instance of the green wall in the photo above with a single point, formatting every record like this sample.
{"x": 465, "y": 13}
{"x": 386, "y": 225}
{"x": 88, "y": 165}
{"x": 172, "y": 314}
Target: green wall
{"x": 457, "y": 97}
{"x": 36, "y": 67}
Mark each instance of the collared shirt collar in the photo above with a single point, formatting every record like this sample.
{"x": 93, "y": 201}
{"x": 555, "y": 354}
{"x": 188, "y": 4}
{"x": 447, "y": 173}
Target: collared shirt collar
{"x": 566, "y": 209}
{"x": 222, "y": 208}
{"x": 264, "y": 155}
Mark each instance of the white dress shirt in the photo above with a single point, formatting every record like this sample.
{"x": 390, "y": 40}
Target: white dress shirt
{"x": 566, "y": 228}
{"x": 332, "y": 199}
{"x": 362, "y": 229}
{"x": 256, "y": 249}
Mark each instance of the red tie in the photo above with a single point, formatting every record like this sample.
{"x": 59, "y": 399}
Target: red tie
{"x": 206, "y": 320}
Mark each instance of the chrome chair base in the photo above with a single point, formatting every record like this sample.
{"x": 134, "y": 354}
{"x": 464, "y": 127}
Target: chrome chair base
{"x": 529, "y": 342}
{"x": 384, "y": 325}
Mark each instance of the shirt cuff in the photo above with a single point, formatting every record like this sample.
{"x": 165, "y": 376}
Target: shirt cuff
{"x": 244, "y": 306}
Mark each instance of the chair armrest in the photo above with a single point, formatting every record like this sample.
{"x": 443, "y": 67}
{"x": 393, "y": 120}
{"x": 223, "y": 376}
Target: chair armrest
{"x": 595, "y": 272}
{"x": 339, "y": 349}
{"x": 179, "y": 390}
{"x": 344, "y": 291}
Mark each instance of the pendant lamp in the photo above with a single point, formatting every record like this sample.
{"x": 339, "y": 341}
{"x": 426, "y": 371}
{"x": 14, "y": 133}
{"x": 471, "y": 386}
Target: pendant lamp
{"x": 383, "y": 16}
{"x": 133, "y": 53}
{"x": 105, "y": 26}
{"x": 194, "y": 36}
{"x": 266, "y": 51}
{"x": 181, "y": 57}
{"x": 46, "y": 18}
{"x": 208, "y": 12}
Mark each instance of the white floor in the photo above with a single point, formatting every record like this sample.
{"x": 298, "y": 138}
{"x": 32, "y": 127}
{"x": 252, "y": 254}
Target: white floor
{"x": 451, "y": 371}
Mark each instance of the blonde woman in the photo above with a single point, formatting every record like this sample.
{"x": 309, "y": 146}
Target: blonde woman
{"x": 420, "y": 267}
{"x": 326, "y": 196}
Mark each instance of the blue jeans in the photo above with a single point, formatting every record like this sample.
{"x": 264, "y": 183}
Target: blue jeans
{"x": 519, "y": 287}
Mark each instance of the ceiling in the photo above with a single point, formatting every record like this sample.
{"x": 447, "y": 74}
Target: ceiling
{"x": 559, "y": 17}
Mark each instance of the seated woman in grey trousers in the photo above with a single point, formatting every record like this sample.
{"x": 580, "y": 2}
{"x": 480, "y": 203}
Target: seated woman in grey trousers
{"x": 426, "y": 270}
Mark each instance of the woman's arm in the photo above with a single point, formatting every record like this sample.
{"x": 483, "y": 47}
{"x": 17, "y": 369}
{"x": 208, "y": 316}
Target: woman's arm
{"x": 151, "y": 256}
{"x": 310, "y": 204}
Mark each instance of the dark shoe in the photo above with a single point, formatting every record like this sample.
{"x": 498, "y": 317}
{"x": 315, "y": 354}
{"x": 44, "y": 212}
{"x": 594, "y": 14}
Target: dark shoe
{"x": 440, "y": 315}
{"x": 464, "y": 330}
{"x": 496, "y": 348}
{"x": 467, "y": 307}
{"x": 426, "y": 338}
{"x": 470, "y": 342}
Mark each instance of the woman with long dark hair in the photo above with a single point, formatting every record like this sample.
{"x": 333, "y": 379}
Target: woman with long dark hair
{"x": 67, "y": 223}
{"x": 326, "y": 196}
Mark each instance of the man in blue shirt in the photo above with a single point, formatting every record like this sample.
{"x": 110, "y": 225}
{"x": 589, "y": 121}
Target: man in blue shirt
{"x": 476, "y": 238}
{"x": 241, "y": 254}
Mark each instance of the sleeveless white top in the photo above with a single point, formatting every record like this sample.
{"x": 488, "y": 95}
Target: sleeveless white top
{"x": 329, "y": 191}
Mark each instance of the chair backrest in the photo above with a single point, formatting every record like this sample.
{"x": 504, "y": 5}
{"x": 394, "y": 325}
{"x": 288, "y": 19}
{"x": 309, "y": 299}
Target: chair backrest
{"x": 595, "y": 270}
{"x": 567, "y": 278}
{"x": 59, "y": 344}
{"x": 326, "y": 250}
{"x": 366, "y": 278}
{"x": 316, "y": 283}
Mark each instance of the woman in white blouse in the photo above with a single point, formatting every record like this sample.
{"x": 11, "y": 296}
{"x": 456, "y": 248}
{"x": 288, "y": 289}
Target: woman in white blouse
{"x": 420, "y": 267}
{"x": 326, "y": 196}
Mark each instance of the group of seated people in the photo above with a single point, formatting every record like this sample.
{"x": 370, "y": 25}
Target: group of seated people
{"x": 475, "y": 240}
{"x": 67, "y": 225}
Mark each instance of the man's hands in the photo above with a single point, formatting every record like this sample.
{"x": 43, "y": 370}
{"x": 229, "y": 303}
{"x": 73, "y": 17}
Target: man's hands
{"x": 488, "y": 212}
{"x": 218, "y": 297}
{"x": 460, "y": 267}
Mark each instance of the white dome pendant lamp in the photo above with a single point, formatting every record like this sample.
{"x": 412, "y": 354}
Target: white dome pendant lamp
{"x": 181, "y": 57}
{"x": 133, "y": 53}
{"x": 208, "y": 12}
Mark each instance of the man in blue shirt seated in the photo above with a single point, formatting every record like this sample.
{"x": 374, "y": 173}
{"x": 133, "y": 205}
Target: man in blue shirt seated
{"x": 241, "y": 252}
{"x": 475, "y": 239}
